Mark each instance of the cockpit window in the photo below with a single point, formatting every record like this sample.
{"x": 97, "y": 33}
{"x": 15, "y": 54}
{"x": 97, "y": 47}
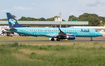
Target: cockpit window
{"x": 96, "y": 31}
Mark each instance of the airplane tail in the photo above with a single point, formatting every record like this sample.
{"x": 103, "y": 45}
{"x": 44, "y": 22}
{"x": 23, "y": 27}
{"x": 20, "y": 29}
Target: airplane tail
{"x": 12, "y": 22}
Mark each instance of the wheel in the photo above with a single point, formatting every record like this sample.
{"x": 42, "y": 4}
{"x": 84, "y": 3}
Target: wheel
{"x": 58, "y": 39}
{"x": 91, "y": 39}
{"x": 52, "y": 39}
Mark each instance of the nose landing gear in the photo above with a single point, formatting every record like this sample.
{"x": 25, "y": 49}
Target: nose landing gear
{"x": 92, "y": 38}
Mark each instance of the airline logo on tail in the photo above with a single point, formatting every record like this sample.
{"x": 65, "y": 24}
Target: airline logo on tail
{"x": 12, "y": 21}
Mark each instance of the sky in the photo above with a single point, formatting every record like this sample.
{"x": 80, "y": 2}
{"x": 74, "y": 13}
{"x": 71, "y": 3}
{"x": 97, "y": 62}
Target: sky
{"x": 51, "y": 8}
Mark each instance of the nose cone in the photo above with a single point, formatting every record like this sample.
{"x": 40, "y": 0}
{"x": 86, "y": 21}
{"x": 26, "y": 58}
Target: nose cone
{"x": 103, "y": 34}
{"x": 99, "y": 34}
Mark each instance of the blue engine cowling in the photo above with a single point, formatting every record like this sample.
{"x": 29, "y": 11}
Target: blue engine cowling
{"x": 70, "y": 37}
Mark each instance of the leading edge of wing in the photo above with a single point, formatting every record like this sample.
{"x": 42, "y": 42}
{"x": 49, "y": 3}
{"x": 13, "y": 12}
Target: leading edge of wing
{"x": 52, "y": 35}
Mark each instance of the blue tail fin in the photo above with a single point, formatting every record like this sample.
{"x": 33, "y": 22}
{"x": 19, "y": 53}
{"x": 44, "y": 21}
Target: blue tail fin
{"x": 12, "y": 22}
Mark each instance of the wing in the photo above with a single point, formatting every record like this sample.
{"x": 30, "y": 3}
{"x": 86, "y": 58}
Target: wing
{"x": 61, "y": 34}
{"x": 12, "y": 29}
{"x": 51, "y": 35}
{"x": 55, "y": 35}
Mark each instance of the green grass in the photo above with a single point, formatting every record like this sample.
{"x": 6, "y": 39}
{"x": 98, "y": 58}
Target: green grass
{"x": 52, "y": 54}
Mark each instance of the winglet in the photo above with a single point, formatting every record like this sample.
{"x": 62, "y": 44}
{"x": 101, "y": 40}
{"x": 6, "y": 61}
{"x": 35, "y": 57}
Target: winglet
{"x": 61, "y": 32}
{"x": 59, "y": 29}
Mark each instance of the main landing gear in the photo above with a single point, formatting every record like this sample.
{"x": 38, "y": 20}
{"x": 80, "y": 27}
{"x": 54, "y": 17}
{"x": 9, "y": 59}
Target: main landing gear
{"x": 52, "y": 39}
{"x": 58, "y": 39}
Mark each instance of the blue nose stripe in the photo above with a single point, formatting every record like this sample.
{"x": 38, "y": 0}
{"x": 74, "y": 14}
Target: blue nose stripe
{"x": 99, "y": 34}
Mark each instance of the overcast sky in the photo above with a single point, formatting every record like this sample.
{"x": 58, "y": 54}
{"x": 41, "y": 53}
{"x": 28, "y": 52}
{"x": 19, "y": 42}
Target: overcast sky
{"x": 51, "y": 8}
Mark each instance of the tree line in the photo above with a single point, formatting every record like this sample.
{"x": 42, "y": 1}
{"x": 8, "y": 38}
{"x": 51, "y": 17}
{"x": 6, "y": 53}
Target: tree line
{"x": 93, "y": 19}
{"x": 37, "y": 19}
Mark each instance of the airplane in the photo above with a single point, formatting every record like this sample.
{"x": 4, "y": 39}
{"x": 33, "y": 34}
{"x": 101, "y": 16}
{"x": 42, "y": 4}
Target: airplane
{"x": 59, "y": 33}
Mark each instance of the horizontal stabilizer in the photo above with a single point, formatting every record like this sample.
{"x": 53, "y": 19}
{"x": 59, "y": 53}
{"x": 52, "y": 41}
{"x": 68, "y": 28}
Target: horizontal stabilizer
{"x": 12, "y": 29}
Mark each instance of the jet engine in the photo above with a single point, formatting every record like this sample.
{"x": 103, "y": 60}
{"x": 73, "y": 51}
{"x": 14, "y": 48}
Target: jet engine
{"x": 70, "y": 37}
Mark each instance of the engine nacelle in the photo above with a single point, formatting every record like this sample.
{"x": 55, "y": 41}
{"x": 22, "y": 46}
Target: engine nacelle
{"x": 70, "y": 37}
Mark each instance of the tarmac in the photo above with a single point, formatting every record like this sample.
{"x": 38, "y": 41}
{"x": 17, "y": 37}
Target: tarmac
{"x": 79, "y": 39}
